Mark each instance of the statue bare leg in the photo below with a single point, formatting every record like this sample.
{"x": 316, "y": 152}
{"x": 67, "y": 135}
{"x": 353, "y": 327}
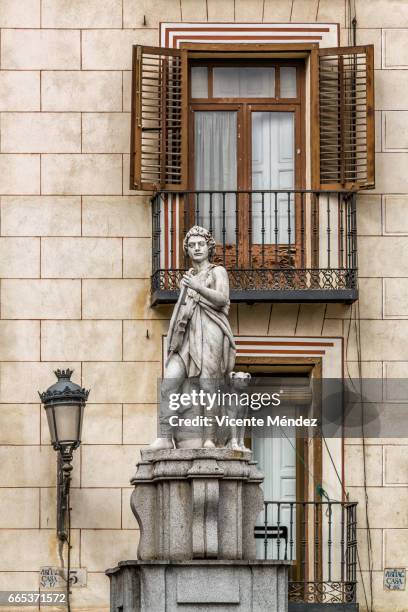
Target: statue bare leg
{"x": 211, "y": 374}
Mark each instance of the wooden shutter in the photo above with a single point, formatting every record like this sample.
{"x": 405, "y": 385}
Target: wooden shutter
{"x": 345, "y": 102}
{"x": 159, "y": 119}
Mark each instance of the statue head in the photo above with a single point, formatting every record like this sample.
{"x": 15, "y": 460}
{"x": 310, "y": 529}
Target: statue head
{"x": 239, "y": 380}
{"x": 199, "y": 244}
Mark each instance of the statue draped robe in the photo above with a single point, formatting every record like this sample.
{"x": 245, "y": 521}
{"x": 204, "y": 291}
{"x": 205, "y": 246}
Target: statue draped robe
{"x": 200, "y": 315}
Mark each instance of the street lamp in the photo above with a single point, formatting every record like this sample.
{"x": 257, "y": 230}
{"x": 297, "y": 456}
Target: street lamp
{"x": 64, "y": 404}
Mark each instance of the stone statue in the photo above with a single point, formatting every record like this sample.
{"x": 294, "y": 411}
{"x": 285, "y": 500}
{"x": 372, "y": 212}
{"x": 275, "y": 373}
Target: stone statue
{"x": 197, "y": 504}
{"x": 201, "y": 346}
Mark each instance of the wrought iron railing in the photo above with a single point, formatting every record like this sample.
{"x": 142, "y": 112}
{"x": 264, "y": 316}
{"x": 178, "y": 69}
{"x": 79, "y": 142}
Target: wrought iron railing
{"x": 320, "y": 538}
{"x": 277, "y": 245}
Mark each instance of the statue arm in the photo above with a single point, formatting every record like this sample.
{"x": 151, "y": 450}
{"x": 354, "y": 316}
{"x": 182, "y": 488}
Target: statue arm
{"x": 219, "y": 296}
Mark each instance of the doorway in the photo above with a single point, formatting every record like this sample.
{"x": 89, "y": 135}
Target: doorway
{"x": 292, "y": 465}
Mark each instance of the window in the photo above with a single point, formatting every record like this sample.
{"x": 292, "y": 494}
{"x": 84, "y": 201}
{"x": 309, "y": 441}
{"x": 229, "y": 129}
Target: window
{"x": 245, "y": 132}
{"x": 342, "y": 112}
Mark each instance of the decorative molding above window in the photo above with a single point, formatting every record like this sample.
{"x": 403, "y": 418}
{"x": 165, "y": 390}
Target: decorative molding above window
{"x": 173, "y": 34}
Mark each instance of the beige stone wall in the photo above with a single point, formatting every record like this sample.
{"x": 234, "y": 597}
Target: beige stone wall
{"x": 75, "y": 264}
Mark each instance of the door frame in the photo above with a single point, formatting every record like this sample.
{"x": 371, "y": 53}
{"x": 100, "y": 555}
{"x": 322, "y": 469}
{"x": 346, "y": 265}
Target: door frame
{"x": 308, "y": 454}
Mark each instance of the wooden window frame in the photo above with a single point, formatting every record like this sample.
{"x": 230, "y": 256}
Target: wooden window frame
{"x": 254, "y": 51}
{"x": 248, "y": 50}
{"x": 244, "y": 108}
{"x": 276, "y": 63}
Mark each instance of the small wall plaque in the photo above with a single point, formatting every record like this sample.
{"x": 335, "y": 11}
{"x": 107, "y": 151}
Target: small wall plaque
{"x": 55, "y": 577}
{"x": 395, "y": 579}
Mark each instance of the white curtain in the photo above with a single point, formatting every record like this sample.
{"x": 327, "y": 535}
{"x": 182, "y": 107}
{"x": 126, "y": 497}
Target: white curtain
{"x": 215, "y": 139}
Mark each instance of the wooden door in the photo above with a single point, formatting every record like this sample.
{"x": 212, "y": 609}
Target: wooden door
{"x": 272, "y": 167}
{"x": 276, "y": 458}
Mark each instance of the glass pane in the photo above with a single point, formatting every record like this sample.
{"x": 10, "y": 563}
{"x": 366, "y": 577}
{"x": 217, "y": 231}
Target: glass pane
{"x": 67, "y": 419}
{"x": 288, "y": 82}
{"x": 199, "y": 82}
{"x": 50, "y": 419}
{"x": 244, "y": 82}
{"x": 215, "y": 155}
{"x": 273, "y": 167}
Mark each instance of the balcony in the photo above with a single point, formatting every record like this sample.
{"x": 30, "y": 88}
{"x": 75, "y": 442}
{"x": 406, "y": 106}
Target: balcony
{"x": 277, "y": 245}
{"x": 320, "y": 538}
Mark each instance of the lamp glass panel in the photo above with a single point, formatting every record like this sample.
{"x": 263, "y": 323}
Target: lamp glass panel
{"x": 81, "y": 418}
{"x": 50, "y": 418}
{"x": 67, "y": 417}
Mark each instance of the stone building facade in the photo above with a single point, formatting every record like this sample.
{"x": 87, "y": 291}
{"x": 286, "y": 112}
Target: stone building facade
{"x": 75, "y": 265}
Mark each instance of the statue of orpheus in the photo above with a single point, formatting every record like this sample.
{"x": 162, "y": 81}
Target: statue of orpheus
{"x": 200, "y": 341}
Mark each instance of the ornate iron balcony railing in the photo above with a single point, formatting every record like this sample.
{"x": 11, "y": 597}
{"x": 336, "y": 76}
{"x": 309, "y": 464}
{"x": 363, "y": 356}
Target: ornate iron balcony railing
{"x": 321, "y": 540}
{"x": 277, "y": 245}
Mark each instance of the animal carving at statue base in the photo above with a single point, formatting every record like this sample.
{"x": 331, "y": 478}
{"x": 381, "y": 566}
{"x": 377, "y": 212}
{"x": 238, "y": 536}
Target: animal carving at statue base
{"x": 239, "y": 382}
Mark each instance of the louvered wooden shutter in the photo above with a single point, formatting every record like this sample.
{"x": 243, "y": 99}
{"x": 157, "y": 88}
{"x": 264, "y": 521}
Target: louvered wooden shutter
{"x": 346, "y": 117}
{"x": 159, "y": 119}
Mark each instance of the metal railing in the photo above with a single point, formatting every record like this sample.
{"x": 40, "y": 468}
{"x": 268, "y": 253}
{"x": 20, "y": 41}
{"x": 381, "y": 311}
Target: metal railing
{"x": 320, "y": 538}
{"x": 295, "y": 244}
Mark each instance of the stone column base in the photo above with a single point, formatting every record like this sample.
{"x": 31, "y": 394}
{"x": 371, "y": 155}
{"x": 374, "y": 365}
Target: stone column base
{"x": 188, "y": 586}
{"x": 196, "y": 504}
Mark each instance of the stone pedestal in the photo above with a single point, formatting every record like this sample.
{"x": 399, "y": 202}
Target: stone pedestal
{"x": 196, "y": 504}
{"x": 188, "y": 586}
{"x": 196, "y": 510}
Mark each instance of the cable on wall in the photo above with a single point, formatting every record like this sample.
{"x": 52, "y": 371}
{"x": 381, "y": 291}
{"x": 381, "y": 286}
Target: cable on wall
{"x": 351, "y": 22}
{"x": 355, "y": 309}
